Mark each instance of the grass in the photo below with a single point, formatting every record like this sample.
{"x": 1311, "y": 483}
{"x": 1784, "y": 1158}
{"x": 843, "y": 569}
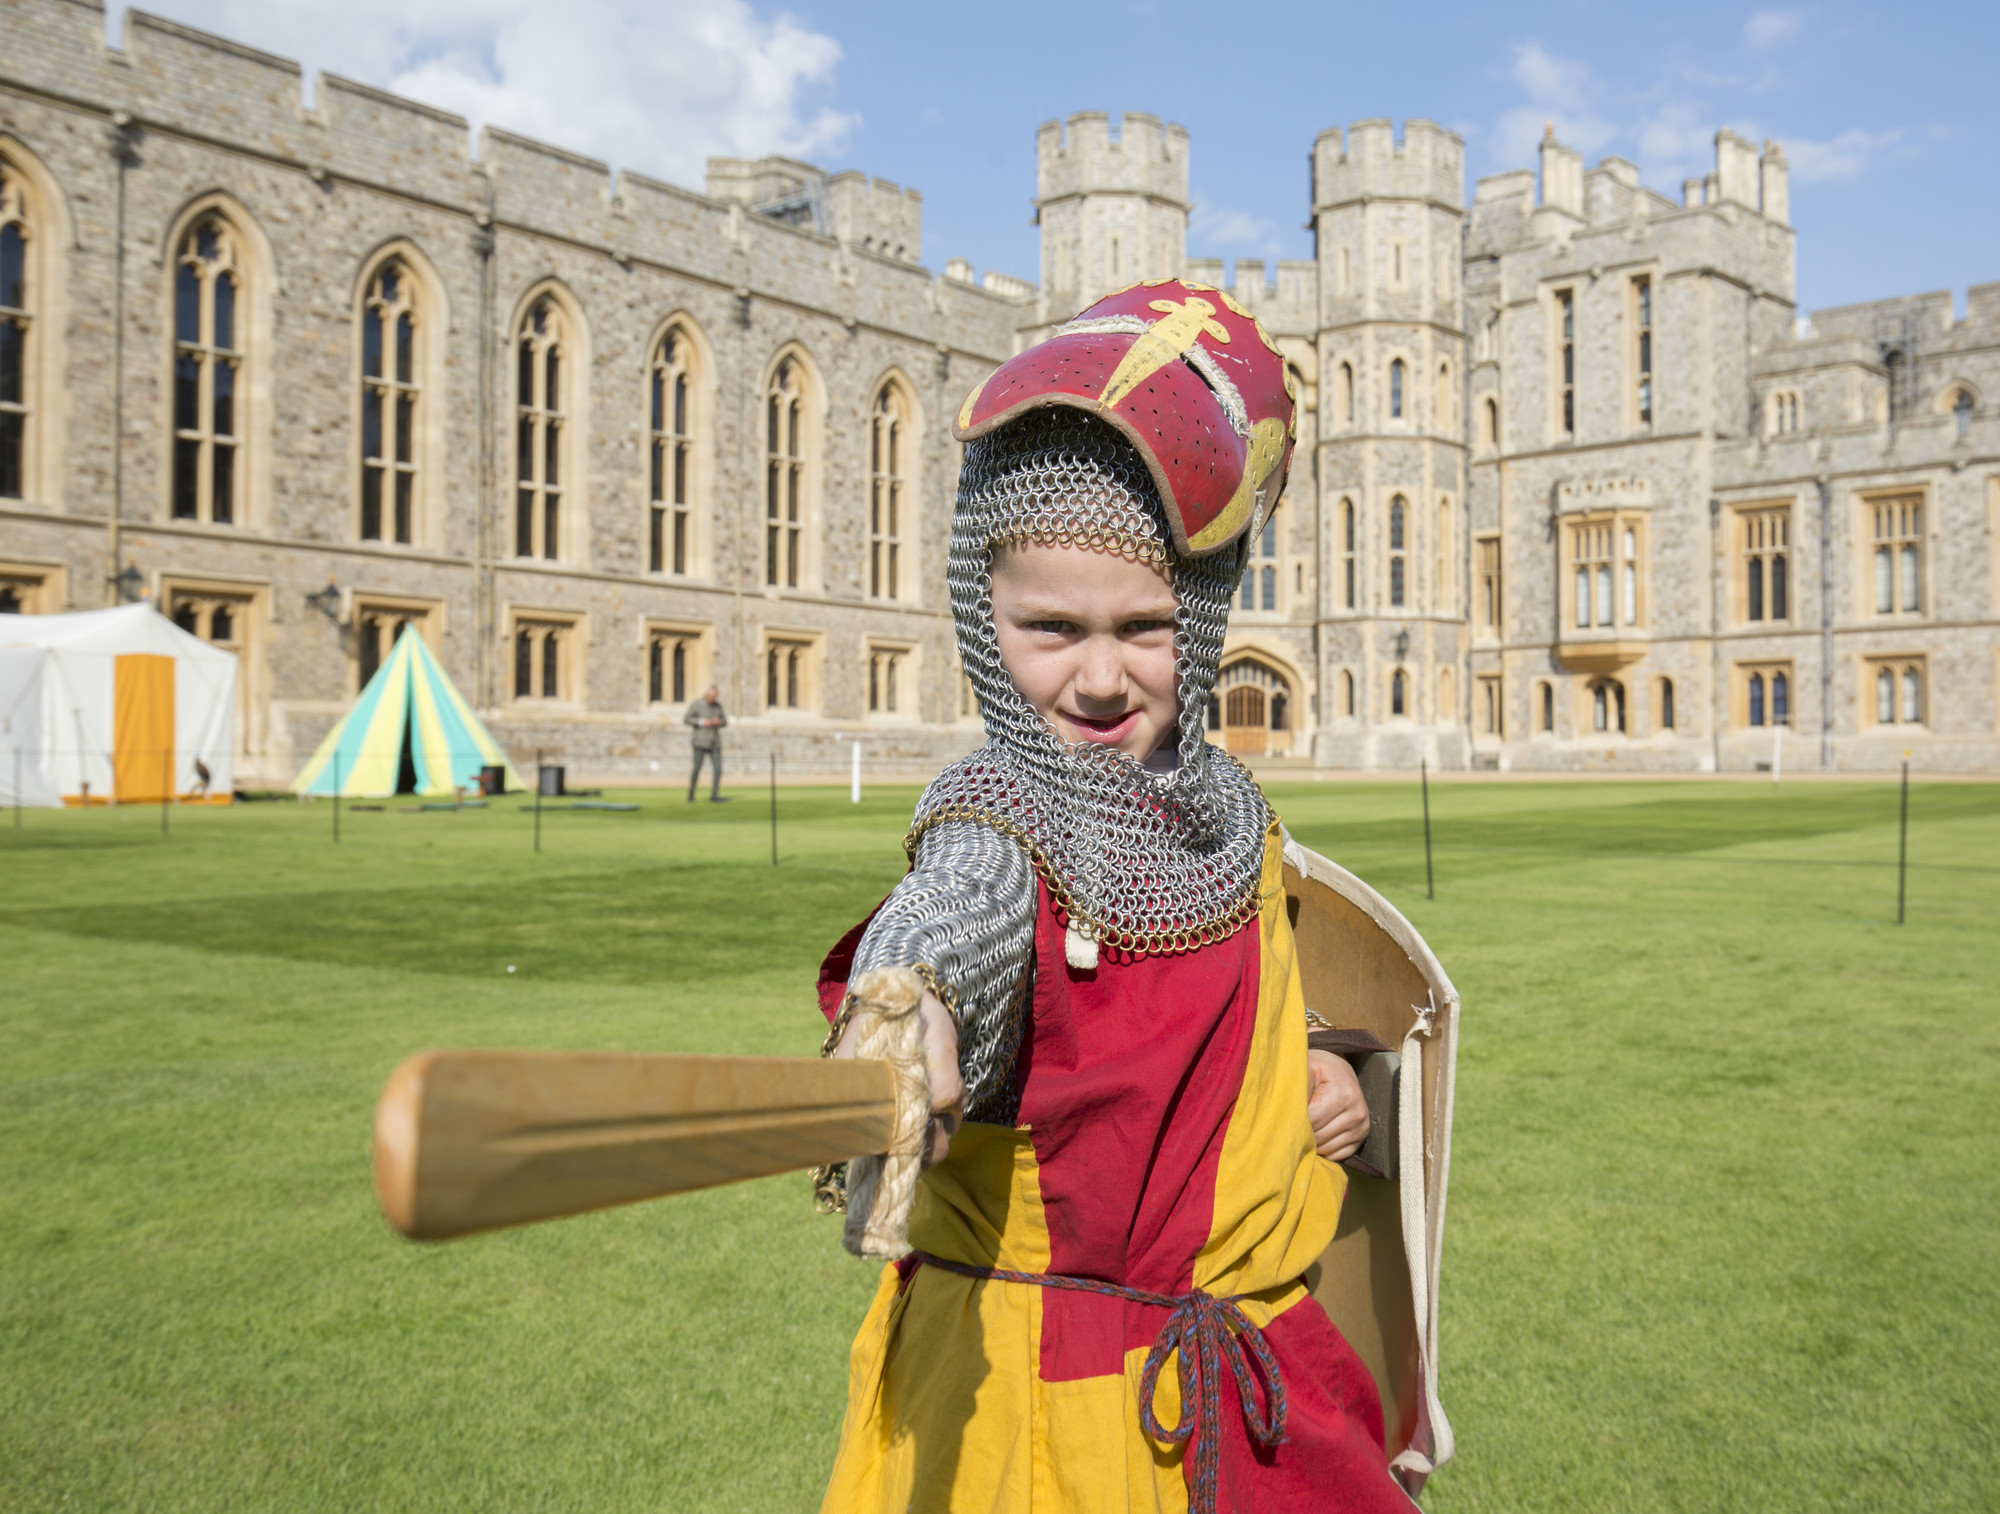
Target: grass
{"x": 1723, "y": 1213}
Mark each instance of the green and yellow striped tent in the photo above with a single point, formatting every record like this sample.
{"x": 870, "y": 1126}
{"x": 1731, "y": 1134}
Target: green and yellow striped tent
{"x": 410, "y": 732}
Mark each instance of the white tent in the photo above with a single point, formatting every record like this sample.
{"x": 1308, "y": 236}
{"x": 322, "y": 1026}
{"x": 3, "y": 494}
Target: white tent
{"x": 112, "y": 705}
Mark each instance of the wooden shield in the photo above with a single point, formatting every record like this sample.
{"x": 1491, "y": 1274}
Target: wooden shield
{"x": 1365, "y": 967}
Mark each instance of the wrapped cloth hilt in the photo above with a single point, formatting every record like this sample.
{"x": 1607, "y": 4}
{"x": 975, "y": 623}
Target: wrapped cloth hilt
{"x": 883, "y": 1025}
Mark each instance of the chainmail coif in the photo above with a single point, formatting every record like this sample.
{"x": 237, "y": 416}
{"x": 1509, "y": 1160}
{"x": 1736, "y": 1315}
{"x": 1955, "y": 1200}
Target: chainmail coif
{"x": 1141, "y": 861}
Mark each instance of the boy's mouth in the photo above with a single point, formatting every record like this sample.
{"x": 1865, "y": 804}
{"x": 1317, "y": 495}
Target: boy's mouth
{"x": 1109, "y": 730}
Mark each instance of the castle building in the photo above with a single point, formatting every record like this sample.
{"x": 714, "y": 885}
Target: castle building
{"x": 1576, "y": 486}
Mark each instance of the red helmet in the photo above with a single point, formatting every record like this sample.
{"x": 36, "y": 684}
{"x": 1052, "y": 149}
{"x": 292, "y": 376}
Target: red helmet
{"x": 1189, "y": 378}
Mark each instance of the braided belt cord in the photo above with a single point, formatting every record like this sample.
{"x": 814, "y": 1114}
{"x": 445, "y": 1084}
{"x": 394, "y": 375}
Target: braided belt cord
{"x": 1204, "y": 1333}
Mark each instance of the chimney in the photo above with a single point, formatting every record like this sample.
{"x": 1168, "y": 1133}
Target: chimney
{"x": 1777, "y": 184}
{"x": 1562, "y": 175}
{"x": 1736, "y": 169}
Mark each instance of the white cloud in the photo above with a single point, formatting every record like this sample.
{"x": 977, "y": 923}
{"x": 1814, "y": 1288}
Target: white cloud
{"x": 1767, "y": 28}
{"x": 1563, "y": 92}
{"x": 655, "y": 85}
{"x": 1845, "y": 157}
{"x": 1215, "y": 228}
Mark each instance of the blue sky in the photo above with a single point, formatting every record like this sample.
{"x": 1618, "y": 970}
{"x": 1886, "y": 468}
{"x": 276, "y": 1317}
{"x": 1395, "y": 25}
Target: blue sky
{"x": 1890, "y": 118}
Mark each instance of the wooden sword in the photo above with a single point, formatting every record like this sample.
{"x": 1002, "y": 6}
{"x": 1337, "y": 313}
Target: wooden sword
{"x": 467, "y": 1141}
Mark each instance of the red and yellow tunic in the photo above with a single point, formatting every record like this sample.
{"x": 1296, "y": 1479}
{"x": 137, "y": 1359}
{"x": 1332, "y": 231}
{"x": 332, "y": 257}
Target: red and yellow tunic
{"x": 1162, "y": 1145}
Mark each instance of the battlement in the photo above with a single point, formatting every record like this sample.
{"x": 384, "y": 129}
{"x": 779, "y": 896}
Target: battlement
{"x": 1368, "y": 162}
{"x": 1084, "y": 156}
{"x": 1286, "y": 304}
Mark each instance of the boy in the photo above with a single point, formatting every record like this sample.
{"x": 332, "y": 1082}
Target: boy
{"x": 1101, "y": 1304}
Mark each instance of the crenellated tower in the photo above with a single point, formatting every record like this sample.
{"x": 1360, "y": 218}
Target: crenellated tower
{"x": 1388, "y": 219}
{"x": 1112, "y": 206}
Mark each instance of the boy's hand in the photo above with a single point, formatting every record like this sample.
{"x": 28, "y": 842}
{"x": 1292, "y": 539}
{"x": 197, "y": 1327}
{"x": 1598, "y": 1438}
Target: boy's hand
{"x": 1334, "y": 1104}
{"x": 941, "y": 1065}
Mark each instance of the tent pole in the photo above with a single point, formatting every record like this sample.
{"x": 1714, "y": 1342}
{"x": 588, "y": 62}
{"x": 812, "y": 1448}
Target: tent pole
{"x": 167, "y": 786}
{"x": 336, "y": 796}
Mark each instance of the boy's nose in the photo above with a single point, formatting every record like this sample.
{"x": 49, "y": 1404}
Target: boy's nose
{"x": 1100, "y": 678}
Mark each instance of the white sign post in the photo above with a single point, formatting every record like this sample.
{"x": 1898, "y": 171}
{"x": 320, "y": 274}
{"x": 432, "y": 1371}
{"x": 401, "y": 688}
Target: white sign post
{"x": 854, "y": 787}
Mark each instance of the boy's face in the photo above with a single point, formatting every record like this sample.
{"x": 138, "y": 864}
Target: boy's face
{"x": 1089, "y": 640}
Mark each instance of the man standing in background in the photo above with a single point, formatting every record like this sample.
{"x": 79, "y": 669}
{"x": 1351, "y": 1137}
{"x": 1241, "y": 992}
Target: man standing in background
{"x": 706, "y": 716}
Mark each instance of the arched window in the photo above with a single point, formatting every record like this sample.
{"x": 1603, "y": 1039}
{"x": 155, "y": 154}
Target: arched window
{"x": 1396, "y": 389}
{"x": 1398, "y": 693}
{"x": 1666, "y": 704}
{"x": 1548, "y": 708}
{"x": 1442, "y": 420}
{"x": 541, "y": 441}
{"x": 784, "y": 476}
{"x": 1756, "y": 698}
{"x": 1441, "y": 595}
{"x": 208, "y": 364}
{"x": 888, "y": 491}
{"x": 1346, "y": 395}
{"x": 17, "y": 334}
{"x": 1781, "y": 699}
{"x": 1346, "y": 692}
{"x": 1961, "y": 410}
{"x": 670, "y": 523}
{"x": 391, "y": 392}
{"x": 1260, "y": 579}
{"x": 1347, "y": 552}
{"x": 1885, "y": 697}
{"x": 1492, "y": 423}
{"x": 1628, "y": 556}
{"x": 1607, "y": 705}
{"x": 1913, "y": 695}
{"x": 1397, "y": 513}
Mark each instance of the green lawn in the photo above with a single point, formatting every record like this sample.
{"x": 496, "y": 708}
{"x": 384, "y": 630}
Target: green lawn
{"x": 1724, "y": 1217}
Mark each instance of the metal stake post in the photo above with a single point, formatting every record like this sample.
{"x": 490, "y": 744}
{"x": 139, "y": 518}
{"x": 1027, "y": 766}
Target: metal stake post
{"x": 538, "y": 801}
{"x": 774, "y": 809}
{"x": 1424, "y": 775}
{"x": 1903, "y": 843}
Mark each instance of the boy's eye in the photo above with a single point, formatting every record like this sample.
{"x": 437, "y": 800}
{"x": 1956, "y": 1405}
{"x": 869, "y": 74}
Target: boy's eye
{"x": 1052, "y": 627}
{"x": 1142, "y": 627}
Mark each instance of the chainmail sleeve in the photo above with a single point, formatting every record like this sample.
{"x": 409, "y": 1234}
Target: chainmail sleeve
{"x": 966, "y": 910}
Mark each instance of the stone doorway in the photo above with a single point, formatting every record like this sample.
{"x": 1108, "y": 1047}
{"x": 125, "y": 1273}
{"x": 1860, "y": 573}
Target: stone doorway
{"x": 1253, "y": 708}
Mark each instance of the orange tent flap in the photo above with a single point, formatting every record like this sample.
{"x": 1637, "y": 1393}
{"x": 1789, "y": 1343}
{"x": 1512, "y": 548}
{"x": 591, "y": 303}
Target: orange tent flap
{"x": 142, "y": 759}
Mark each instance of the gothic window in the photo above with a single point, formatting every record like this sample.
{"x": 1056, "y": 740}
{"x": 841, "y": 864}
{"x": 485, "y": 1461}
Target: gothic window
{"x": 1642, "y": 354}
{"x": 1260, "y": 572}
{"x": 1606, "y": 565}
{"x": 787, "y": 674}
{"x": 541, "y": 659}
{"x": 541, "y": 435}
{"x": 1396, "y": 389}
{"x": 1489, "y": 584}
{"x": 887, "y": 680}
{"x": 670, "y": 524}
{"x": 1347, "y": 552}
{"x": 1766, "y": 694}
{"x": 1397, "y": 533}
{"x": 1666, "y": 704}
{"x": 888, "y": 492}
{"x": 1346, "y": 692}
{"x": 670, "y": 664}
{"x": 208, "y": 367}
{"x": 1899, "y": 691}
{"x": 1398, "y": 693}
{"x": 1548, "y": 703}
{"x": 1492, "y": 423}
{"x": 16, "y": 333}
{"x": 784, "y": 476}
{"x": 390, "y": 397}
{"x": 1607, "y": 706}
{"x": 1492, "y": 706}
{"x": 1783, "y": 412}
{"x": 377, "y": 629}
{"x": 1441, "y": 595}
{"x": 1961, "y": 408}
{"x": 1766, "y": 566}
{"x": 1441, "y": 421}
{"x": 1346, "y": 394}
{"x": 1898, "y": 555}
{"x": 1566, "y": 359}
